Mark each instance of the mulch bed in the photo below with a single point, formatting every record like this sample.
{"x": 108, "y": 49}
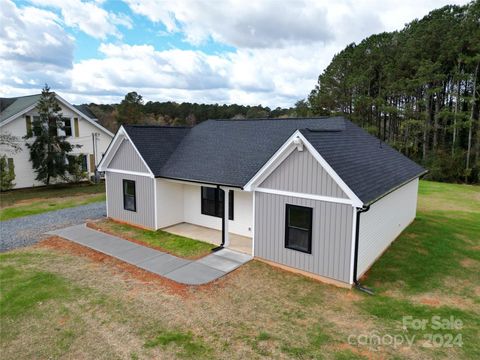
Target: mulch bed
{"x": 128, "y": 271}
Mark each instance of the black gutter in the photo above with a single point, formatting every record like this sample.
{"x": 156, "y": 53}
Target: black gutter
{"x": 198, "y": 181}
{"x": 396, "y": 188}
{"x": 355, "y": 258}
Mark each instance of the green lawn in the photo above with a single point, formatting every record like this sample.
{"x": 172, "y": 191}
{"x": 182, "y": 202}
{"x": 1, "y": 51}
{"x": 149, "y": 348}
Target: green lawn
{"x": 23, "y": 202}
{"x": 173, "y": 244}
{"x": 57, "y": 303}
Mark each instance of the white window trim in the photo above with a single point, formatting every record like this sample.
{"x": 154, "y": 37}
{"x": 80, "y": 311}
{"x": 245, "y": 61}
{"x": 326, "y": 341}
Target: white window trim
{"x": 284, "y": 151}
{"x": 305, "y": 196}
{"x": 155, "y": 202}
{"x": 253, "y": 225}
{"x": 126, "y": 172}
{"x": 352, "y": 252}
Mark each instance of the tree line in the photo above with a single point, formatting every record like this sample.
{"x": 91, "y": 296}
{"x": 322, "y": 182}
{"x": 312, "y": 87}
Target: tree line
{"x": 133, "y": 110}
{"x": 417, "y": 89}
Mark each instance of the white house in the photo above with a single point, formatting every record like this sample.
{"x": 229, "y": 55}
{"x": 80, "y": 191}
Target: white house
{"x": 318, "y": 196}
{"x": 16, "y": 116}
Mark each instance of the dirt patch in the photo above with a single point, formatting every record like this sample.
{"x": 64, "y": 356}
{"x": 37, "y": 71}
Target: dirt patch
{"x": 50, "y": 200}
{"x": 468, "y": 263}
{"x": 125, "y": 269}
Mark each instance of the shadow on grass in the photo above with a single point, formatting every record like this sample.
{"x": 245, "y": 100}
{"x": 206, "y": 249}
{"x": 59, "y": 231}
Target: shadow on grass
{"x": 428, "y": 252}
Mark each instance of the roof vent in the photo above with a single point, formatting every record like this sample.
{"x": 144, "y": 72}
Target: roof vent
{"x": 298, "y": 143}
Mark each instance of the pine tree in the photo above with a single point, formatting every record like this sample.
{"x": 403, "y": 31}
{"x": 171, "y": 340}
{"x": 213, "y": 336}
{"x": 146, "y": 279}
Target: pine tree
{"x": 130, "y": 109}
{"x": 48, "y": 151}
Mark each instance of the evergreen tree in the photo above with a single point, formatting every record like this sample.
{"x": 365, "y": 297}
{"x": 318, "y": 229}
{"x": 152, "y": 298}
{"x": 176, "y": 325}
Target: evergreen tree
{"x": 7, "y": 174}
{"x": 130, "y": 109}
{"x": 417, "y": 89}
{"x": 48, "y": 150}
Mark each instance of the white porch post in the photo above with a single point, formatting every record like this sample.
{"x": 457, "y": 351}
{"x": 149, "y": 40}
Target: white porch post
{"x": 226, "y": 238}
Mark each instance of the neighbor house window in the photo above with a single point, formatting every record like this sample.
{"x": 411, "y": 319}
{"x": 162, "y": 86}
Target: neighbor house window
{"x": 84, "y": 163}
{"x": 129, "y": 198}
{"x": 67, "y": 127}
{"x": 298, "y": 228}
{"x": 213, "y": 202}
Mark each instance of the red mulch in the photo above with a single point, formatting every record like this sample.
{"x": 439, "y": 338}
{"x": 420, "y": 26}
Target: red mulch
{"x": 126, "y": 270}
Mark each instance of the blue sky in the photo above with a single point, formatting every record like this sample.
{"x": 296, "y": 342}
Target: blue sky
{"x": 219, "y": 51}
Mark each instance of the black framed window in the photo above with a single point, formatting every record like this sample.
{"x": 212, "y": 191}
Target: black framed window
{"x": 298, "y": 228}
{"x": 213, "y": 202}
{"x": 129, "y": 197}
{"x": 67, "y": 126}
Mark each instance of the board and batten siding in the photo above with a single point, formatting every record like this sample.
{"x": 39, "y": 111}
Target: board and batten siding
{"x": 331, "y": 235}
{"x": 145, "y": 199}
{"x": 300, "y": 172}
{"x": 383, "y": 222}
{"x": 127, "y": 158}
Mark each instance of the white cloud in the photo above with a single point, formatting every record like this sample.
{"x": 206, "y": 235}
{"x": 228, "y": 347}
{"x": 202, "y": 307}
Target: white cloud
{"x": 34, "y": 48}
{"x": 280, "y": 48}
{"x": 89, "y": 17}
{"x": 259, "y": 24}
{"x": 245, "y": 76}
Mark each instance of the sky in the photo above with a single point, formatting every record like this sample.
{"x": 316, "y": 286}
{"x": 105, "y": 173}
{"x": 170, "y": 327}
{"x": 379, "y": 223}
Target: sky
{"x": 267, "y": 52}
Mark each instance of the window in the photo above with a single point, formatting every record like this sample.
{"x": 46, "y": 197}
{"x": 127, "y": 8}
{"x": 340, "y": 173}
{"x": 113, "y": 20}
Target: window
{"x": 28, "y": 121}
{"x": 67, "y": 126}
{"x": 75, "y": 124}
{"x": 298, "y": 228}
{"x": 11, "y": 167}
{"x": 213, "y": 202}
{"x": 129, "y": 198}
{"x": 84, "y": 163}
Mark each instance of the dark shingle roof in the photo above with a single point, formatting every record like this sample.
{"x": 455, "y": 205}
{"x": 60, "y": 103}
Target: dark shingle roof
{"x": 156, "y": 143}
{"x": 14, "y": 105}
{"x": 367, "y": 165}
{"x": 230, "y": 152}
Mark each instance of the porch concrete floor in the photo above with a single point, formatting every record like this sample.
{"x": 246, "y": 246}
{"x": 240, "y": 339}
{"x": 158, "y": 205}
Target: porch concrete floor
{"x": 237, "y": 242}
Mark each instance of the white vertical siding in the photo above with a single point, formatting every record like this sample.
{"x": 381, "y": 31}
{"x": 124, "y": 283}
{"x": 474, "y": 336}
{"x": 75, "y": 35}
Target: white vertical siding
{"x": 331, "y": 235}
{"x": 144, "y": 189}
{"x": 383, "y": 222}
{"x": 169, "y": 203}
{"x": 127, "y": 158}
{"x": 300, "y": 172}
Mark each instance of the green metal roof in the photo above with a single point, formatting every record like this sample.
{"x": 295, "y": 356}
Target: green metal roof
{"x": 11, "y": 106}
{"x": 16, "y": 105}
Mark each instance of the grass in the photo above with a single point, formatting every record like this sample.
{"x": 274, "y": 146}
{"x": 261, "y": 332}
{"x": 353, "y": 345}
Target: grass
{"x": 190, "y": 347}
{"x": 171, "y": 243}
{"x": 56, "y": 304}
{"x": 24, "y": 202}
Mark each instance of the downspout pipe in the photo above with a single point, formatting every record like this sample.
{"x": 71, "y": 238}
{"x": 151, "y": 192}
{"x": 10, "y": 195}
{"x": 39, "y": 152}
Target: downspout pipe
{"x": 355, "y": 259}
{"x": 223, "y": 227}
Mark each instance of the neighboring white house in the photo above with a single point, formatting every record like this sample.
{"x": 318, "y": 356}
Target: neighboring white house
{"x": 318, "y": 195}
{"x": 16, "y": 117}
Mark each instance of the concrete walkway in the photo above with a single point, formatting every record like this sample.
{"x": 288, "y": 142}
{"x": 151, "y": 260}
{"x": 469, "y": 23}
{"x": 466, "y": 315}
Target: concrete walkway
{"x": 190, "y": 272}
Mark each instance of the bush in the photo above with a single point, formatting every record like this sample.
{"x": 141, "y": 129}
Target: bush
{"x": 75, "y": 168}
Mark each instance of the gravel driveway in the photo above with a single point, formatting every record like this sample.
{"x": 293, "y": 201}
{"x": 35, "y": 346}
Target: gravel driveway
{"x": 28, "y": 230}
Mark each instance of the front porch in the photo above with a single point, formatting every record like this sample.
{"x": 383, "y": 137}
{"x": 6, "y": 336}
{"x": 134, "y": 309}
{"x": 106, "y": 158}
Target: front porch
{"x": 237, "y": 242}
